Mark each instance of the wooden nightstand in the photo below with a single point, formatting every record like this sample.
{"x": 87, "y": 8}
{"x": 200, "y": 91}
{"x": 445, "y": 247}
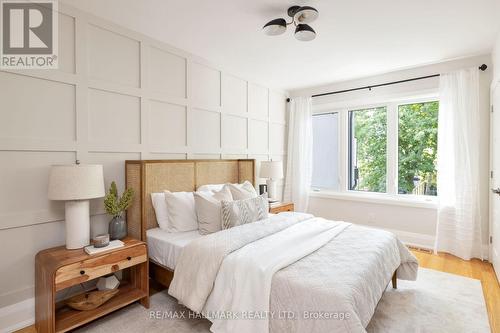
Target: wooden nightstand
{"x": 279, "y": 207}
{"x": 58, "y": 268}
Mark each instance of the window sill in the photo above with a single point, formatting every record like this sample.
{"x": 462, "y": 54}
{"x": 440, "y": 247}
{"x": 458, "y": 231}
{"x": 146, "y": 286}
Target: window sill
{"x": 378, "y": 198}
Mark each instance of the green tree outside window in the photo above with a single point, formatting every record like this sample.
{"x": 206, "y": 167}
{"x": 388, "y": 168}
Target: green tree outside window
{"x": 417, "y": 148}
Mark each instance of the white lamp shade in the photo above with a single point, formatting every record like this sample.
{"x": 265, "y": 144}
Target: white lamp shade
{"x": 271, "y": 169}
{"x": 76, "y": 182}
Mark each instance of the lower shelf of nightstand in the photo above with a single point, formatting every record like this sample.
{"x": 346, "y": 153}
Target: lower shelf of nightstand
{"x": 68, "y": 319}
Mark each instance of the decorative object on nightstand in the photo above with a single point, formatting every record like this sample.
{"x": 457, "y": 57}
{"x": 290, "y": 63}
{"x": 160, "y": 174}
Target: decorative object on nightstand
{"x": 90, "y": 300}
{"x": 76, "y": 184}
{"x": 262, "y": 189}
{"x": 115, "y": 206}
{"x": 101, "y": 241}
{"x": 272, "y": 170}
{"x": 58, "y": 268}
{"x": 114, "y": 244}
{"x": 108, "y": 282}
{"x": 279, "y": 207}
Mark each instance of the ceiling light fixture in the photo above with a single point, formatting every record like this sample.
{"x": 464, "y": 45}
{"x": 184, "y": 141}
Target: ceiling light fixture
{"x": 275, "y": 27}
{"x": 304, "y": 32}
{"x": 306, "y": 14}
{"x": 301, "y": 17}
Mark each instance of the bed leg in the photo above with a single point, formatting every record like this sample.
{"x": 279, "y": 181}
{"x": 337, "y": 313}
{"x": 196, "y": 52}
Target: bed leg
{"x": 394, "y": 280}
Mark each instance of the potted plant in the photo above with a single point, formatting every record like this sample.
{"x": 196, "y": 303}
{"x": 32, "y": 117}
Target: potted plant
{"x": 115, "y": 206}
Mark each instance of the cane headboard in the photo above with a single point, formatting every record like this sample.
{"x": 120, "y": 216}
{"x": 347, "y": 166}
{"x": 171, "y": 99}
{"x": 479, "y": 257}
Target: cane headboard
{"x": 149, "y": 176}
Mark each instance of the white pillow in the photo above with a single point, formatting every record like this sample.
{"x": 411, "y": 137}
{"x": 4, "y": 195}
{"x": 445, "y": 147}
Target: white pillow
{"x": 242, "y": 191}
{"x": 210, "y": 187}
{"x": 208, "y": 209}
{"x": 160, "y": 207}
{"x": 181, "y": 211}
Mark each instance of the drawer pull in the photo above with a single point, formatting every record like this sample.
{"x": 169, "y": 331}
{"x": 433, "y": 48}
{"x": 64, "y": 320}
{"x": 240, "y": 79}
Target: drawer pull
{"x": 82, "y": 272}
{"x": 129, "y": 258}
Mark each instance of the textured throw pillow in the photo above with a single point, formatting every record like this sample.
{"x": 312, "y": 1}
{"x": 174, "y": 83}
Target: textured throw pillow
{"x": 181, "y": 211}
{"x": 240, "y": 212}
{"x": 160, "y": 207}
{"x": 242, "y": 191}
{"x": 208, "y": 209}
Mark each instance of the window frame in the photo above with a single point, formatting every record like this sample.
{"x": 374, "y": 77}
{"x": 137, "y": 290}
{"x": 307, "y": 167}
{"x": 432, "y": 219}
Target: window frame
{"x": 392, "y": 158}
{"x": 350, "y": 146}
{"x": 339, "y": 162}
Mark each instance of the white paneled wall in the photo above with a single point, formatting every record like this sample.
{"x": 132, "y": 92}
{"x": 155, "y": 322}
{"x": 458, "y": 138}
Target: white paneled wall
{"x": 117, "y": 95}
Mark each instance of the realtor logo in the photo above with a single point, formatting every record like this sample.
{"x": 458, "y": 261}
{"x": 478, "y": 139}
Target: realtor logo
{"x": 29, "y": 34}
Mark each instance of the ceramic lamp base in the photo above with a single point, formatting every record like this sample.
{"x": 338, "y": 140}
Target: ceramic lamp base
{"x": 77, "y": 224}
{"x": 271, "y": 188}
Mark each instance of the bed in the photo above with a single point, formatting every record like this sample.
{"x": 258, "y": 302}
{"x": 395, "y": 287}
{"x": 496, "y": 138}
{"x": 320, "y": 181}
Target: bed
{"x": 291, "y": 272}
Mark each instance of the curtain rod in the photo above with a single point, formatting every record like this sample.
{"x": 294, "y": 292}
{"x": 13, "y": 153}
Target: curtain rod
{"x": 483, "y": 67}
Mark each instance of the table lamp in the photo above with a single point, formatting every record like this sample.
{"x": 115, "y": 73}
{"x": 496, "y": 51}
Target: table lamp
{"x": 76, "y": 184}
{"x": 272, "y": 170}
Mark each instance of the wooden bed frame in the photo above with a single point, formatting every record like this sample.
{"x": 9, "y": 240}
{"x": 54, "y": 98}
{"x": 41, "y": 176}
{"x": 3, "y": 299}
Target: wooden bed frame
{"x": 149, "y": 176}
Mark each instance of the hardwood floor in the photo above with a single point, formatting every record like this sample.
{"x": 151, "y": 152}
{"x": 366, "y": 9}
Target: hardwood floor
{"x": 443, "y": 262}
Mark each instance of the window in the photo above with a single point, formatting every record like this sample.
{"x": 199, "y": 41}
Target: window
{"x": 367, "y": 149}
{"x": 417, "y": 148}
{"x": 389, "y": 148}
{"x": 326, "y": 151}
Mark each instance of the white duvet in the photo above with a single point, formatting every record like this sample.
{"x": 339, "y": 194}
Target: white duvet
{"x": 278, "y": 275}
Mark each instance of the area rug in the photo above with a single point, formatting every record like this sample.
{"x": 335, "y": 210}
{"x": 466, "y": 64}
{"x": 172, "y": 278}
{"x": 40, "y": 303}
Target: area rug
{"x": 436, "y": 302}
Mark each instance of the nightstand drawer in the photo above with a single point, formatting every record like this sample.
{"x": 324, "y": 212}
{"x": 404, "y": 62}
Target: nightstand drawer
{"x": 95, "y": 267}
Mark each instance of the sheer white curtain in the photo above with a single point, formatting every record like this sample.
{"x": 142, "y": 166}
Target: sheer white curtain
{"x": 299, "y": 154}
{"x": 459, "y": 219}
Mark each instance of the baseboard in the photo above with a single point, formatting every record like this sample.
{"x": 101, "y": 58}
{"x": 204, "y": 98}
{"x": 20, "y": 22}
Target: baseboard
{"x": 18, "y": 326}
{"x": 495, "y": 258}
{"x": 422, "y": 241}
{"x": 17, "y": 316}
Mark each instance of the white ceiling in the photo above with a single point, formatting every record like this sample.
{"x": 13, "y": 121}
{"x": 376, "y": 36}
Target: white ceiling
{"x": 356, "y": 38}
